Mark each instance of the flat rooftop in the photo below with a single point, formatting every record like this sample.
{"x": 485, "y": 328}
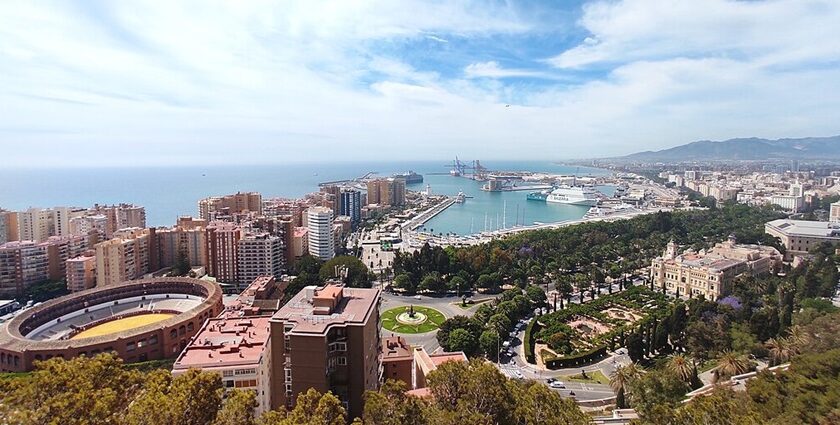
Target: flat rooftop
{"x": 226, "y": 341}
{"x": 821, "y": 229}
{"x": 354, "y": 306}
{"x": 395, "y": 348}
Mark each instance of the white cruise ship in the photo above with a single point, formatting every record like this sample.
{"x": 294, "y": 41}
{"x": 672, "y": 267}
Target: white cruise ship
{"x": 574, "y": 195}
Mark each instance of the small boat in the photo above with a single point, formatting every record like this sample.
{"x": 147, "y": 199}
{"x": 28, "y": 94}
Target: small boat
{"x": 460, "y": 197}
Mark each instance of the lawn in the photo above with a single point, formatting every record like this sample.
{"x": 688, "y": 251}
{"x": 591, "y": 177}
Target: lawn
{"x": 594, "y": 377}
{"x": 433, "y": 320}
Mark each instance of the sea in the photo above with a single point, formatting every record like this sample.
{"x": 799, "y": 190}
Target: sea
{"x": 169, "y": 192}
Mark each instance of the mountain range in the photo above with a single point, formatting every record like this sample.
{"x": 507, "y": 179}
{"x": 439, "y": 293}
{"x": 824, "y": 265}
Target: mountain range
{"x": 746, "y": 149}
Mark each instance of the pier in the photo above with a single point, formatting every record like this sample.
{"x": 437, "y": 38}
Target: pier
{"x": 427, "y": 215}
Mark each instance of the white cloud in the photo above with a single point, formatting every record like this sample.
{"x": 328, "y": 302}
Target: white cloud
{"x": 492, "y": 69}
{"x": 142, "y": 83}
{"x": 631, "y": 30}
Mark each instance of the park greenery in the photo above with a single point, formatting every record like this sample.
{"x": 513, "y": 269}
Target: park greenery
{"x": 582, "y": 256}
{"x": 599, "y": 325}
{"x": 484, "y": 332}
{"x": 428, "y": 319}
{"x": 312, "y": 271}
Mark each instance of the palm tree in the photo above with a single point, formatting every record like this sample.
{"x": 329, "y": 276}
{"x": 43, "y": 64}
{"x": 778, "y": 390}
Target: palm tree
{"x": 798, "y": 338}
{"x": 681, "y": 366}
{"x": 781, "y": 350}
{"x": 729, "y": 365}
{"x": 620, "y": 380}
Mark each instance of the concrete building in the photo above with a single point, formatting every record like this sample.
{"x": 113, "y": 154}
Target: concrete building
{"x": 4, "y": 227}
{"x": 397, "y": 192}
{"x": 36, "y": 224}
{"x": 260, "y": 255}
{"x": 124, "y": 257}
{"x": 9, "y": 224}
{"x": 320, "y": 233}
{"x": 22, "y": 264}
{"x": 216, "y": 206}
{"x": 834, "y": 213}
{"x": 120, "y": 216}
{"x": 85, "y": 225}
{"x": 300, "y": 242}
{"x": 351, "y": 205}
{"x": 174, "y": 242}
{"x": 222, "y": 239}
{"x": 61, "y": 248}
{"x": 81, "y": 272}
{"x": 328, "y": 339}
{"x": 397, "y": 360}
{"x": 710, "y": 273}
{"x": 788, "y": 202}
{"x": 800, "y": 236}
{"x": 239, "y": 350}
{"x": 263, "y": 296}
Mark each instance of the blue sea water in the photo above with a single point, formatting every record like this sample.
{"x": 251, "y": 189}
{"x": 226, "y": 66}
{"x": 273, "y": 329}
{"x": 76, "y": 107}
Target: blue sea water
{"x": 169, "y": 192}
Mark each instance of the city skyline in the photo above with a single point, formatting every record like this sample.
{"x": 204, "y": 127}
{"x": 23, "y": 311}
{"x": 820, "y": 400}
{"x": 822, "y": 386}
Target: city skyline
{"x": 148, "y": 84}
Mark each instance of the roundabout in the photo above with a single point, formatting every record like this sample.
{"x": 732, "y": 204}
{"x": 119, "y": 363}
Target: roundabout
{"x": 412, "y": 319}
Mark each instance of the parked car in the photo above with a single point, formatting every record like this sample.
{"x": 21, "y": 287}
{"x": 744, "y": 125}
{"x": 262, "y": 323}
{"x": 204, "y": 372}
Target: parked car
{"x": 518, "y": 374}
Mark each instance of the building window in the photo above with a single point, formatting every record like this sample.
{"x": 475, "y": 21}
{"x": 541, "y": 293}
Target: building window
{"x": 342, "y": 361}
{"x": 227, "y": 373}
{"x": 130, "y": 346}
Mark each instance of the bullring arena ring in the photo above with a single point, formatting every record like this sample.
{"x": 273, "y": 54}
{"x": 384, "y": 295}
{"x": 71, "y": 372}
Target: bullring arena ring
{"x": 140, "y": 320}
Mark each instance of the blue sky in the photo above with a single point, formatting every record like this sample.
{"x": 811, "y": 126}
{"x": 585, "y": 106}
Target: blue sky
{"x": 157, "y": 83}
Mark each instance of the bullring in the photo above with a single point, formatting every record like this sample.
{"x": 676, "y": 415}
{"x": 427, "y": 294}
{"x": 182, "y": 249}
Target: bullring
{"x": 140, "y": 320}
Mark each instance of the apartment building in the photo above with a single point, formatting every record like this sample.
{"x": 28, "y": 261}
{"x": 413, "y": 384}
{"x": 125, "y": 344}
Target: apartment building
{"x": 218, "y": 206}
{"x": 120, "y": 216}
{"x": 222, "y": 251}
{"x": 22, "y": 264}
{"x": 321, "y": 243}
{"x": 9, "y": 228}
{"x": 258, "y": 255}
{"x": 88, "y": 224}
{"x": 61, "y": 248}
{"x": 174, "y": 242}
{"x": 326, "y": 338}
{"x": 124, "y": 257}
{"x": 238, "y": 349}
{"x": 799, "y": 237}
{"x": 710, "y": 273}
{"x": 351, "y": 205}
{"x": 81, "y": 272}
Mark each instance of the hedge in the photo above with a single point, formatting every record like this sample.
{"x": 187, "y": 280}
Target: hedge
{"x": 529, "y": 341}
{"x": 577, "y": 359}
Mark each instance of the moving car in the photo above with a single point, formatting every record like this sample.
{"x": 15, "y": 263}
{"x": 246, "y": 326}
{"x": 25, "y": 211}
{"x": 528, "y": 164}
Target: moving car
{"x": 557, "y": 384}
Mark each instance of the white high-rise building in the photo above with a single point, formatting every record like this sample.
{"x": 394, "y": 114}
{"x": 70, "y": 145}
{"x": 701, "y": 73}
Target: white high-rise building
{"x": 320, "y": 223}
{"x": 259, "y": 255}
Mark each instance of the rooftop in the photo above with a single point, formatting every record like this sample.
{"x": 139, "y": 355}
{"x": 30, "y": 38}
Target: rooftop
{"x": 395, "y": 348}
{"x": 822, "y": 229}
{"x": 226, "y": 341}
{"x": 353, "y": 306}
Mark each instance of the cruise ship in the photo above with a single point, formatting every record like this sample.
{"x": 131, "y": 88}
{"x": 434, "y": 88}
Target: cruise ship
{"x": 573, "y": 195}
{"x": 410, "y": 177}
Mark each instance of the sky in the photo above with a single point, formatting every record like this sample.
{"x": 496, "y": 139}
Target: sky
{"x": 135, "y": 83}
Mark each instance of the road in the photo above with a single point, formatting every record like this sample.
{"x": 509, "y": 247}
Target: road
{"x": 445, "y": 305}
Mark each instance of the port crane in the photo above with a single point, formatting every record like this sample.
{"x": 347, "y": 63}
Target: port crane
{"x": 472, "y": 170}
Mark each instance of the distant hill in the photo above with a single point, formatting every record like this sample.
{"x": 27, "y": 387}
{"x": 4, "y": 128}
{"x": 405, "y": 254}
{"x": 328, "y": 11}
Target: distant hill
{"x": 747, "y": 149}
